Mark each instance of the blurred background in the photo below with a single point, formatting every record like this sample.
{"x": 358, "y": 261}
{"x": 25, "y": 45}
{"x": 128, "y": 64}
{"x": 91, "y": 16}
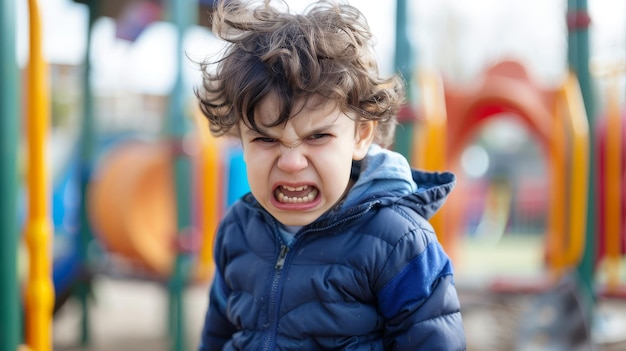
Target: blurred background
{"x": 112, "y": 186}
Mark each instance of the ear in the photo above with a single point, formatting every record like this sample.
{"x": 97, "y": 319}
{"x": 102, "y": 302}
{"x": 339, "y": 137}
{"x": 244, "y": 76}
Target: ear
{"x": 365, "y": 131}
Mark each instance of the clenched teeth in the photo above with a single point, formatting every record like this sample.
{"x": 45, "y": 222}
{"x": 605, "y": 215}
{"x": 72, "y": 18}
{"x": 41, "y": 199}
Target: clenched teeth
{"x": 297, "y": 200}
{"x": 299, "y": 188}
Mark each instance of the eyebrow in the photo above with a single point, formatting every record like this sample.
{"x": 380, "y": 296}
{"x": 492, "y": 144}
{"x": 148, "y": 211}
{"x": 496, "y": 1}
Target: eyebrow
{"x": 322, "y": 129}
{"x": 255, "y": 132}
{"x": 265, "y": 133}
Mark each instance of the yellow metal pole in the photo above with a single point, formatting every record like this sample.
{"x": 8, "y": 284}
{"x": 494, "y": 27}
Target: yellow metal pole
{"x": 429, "y": 144}
{"x": 556, "y": 233}
{"x": 576, "y": 116}
{"x": 209, "y": 160}
{"x": 39, "y": 294}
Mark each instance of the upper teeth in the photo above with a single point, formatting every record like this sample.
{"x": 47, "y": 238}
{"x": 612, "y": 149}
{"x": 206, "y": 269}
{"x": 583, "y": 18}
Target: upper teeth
{"x": 299, "y": 188}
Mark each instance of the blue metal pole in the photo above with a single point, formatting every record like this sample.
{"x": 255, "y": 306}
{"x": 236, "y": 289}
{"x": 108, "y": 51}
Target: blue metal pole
{"x": 403, "y": 65}
{"x": 83, "y": 288}
{"x": 10, "y": 320}
{"x": 578, "y": 57}
{"x": 182, "y": 13}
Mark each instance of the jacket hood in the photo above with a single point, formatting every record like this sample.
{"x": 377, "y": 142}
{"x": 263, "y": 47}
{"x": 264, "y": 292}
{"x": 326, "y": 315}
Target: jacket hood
{"x": 434, "y": 188}
{"x": 386, "y": 177}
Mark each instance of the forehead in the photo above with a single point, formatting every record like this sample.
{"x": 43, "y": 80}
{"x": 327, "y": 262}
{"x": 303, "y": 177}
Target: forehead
{"x": 309, "y": 110}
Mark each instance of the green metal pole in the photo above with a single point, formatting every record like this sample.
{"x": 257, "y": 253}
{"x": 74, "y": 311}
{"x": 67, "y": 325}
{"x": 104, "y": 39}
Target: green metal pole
{"x": 10, "y": 320}
{"x": 83, "y": 288}
{"x": 578, "y": 57}
{"x": 182, "y": 12}
{"x": 403, "y": 65}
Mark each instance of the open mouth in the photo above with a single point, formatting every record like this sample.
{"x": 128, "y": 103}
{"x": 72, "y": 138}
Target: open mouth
{"x": 295, "y": 195}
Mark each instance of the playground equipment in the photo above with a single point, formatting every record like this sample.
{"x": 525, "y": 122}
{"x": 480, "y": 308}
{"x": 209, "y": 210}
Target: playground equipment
{"x": 132, "y": 205}
{"x": 611, "y": 199}
{"x": 43, "y": 280}
{"x": 451, "y": 115}
{"x": 181, "y": 13}
{"x": 131, "y": 201}
{"x": 610, "y": 152}
{"x": 38, "y": 294}
{"x": 557, "y": 118}
{"x": 9, "y": 117}
{"x": 66, "y": 264}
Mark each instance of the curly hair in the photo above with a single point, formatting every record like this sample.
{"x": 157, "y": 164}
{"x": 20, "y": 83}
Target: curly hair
{"x": 325, "y": 51}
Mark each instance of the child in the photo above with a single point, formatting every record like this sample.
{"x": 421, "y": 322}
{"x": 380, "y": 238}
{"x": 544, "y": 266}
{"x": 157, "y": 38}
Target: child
{"x": 331, "y": 249}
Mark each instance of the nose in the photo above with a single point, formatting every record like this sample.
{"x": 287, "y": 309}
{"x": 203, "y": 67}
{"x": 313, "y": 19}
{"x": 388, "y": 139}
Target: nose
{"x": 292, "y": 159}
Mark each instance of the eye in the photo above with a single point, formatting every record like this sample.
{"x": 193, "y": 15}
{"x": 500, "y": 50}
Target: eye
{"x": 318, "y": 137}
{"x": 264, "y": 140}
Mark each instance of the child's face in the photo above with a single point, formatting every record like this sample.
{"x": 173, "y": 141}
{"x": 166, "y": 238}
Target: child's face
{"x": 299, "y": 170}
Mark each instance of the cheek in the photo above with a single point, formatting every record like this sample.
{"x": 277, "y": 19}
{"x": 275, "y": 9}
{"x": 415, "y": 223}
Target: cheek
{"x": 335, "y": 173}
{"x": 256, "y": 168}
{"x": 257, "y": 182}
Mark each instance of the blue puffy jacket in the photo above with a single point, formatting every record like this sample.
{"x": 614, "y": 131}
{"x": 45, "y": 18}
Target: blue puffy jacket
{"x": 367, "y": 276}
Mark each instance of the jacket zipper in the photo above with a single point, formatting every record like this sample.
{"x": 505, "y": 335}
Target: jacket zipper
{"x": 281, "y": 257}
{"x": 273, "y": 311}
{"x": 276, "y": 282}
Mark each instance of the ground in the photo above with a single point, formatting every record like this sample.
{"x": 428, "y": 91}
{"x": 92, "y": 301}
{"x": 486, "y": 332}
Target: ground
{"x": 131, "y": 314}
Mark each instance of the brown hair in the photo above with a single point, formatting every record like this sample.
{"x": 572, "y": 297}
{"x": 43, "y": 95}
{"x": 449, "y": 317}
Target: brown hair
{"x": 325, "y": 51}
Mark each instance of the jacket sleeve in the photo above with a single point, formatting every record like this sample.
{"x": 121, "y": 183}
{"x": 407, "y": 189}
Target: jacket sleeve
{"x": 419, "y": 300}
{"x": 217, "y": 329}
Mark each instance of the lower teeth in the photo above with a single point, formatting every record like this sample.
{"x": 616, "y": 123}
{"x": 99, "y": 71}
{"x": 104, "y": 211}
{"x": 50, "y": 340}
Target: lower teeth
{"x": 297, "y": 200}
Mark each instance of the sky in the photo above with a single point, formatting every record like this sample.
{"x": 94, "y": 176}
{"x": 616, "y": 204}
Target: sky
{"x": 456, "y": 37}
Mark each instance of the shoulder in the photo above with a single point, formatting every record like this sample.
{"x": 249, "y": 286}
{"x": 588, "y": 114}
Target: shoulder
{"x": 241, "y": 212}
{"x": 395, "y": 222}
{"x": 243, "y": 217}
{"x": 243, "y": 229}
{"x": 406, "y": 242}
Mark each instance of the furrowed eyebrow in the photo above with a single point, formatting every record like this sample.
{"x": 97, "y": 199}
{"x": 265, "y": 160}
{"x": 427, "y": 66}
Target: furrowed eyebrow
{"x": 322, "y": 129}
{"x": 256, "y": 133}
{"x": 263, "y": 133}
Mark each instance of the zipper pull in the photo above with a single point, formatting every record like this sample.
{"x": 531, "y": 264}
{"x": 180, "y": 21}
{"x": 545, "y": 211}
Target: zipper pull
{"x": 281, "y": 257}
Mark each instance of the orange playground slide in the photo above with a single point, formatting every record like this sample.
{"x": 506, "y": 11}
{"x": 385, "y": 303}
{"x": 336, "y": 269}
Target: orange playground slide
{"x": 132, "y": 205}
{"x": 449, "y": 116}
